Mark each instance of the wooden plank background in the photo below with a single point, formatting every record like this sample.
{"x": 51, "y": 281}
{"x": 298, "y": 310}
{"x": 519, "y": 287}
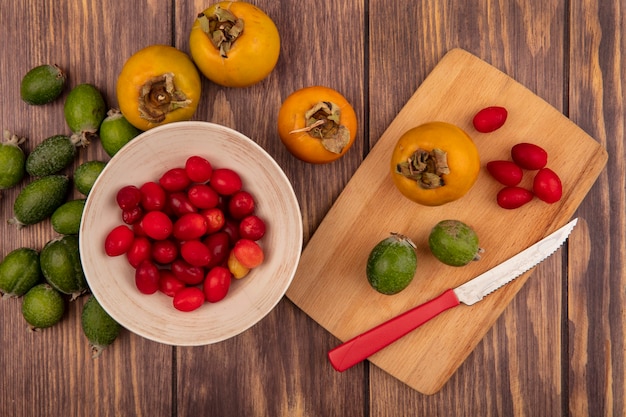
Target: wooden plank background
{"x": 557, "y": 350}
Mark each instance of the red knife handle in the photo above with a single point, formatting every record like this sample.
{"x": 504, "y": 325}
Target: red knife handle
{"x": 364, "y": 345}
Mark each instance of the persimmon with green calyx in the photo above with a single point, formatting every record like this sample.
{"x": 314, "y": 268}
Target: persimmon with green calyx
{"x": 454, "y": 243}
{"x": 158, "y": 84}
{"x": 391, "y": 264}
{"x": 317, "y": 124}
{"x": 84, "y": 110}
{"x": 434, "y": 163}
{"x": 12, "y": 160}
{"x": 234, "y": 43}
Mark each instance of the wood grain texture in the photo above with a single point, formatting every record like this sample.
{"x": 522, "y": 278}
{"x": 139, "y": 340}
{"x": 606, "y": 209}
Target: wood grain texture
{"x": 596, "y": 280}
{"x": 557, "y": 349}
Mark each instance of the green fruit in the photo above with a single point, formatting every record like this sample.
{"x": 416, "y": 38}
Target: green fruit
{"x": 84, "y": 110}
{"x": 12, "y": 160}
{"x": 51, "y": 156}
{"x": 86, "y": 174}
{"x": 454, "y": 243}
{"x": 66, "y": 219}
{"x": 100, "y": 329}
{"x": 116, "y": 131}
{"x": 19, "y": 272}
{"x": 61, "y": 266}
{"x": 391, "y": 265}
{"x": 42, "y": 84}
{"x": 42, "y": 306}
{"x": 39, "y": 199}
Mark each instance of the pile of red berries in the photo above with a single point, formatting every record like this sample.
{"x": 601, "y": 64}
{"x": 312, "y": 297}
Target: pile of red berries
{"x": 525, "y": 156}
{"x": 189, "y": 233}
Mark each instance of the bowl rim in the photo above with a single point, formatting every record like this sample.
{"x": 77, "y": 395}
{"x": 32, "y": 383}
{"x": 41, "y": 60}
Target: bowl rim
{"x": 296, "y": 234}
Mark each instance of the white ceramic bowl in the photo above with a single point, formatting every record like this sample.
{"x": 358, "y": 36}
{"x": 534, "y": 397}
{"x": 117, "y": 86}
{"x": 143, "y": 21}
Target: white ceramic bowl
{"x": 145, "y": 158}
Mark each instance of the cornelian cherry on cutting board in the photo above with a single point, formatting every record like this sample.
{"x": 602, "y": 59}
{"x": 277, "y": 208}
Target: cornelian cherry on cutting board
{"x": 490, "y": 119}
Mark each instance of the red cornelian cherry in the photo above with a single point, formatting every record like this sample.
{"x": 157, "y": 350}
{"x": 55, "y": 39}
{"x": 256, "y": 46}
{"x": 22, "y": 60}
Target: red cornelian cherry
{"x": 128, "y": 197}
{"x": 169, "y": 284}
{"x": 164, "y": 251}
{"x": 152, "y": 196}
{"x": 175, "y": 179}
{"x": 215, "y": 219}
{"x": 178, "y": 203}
{"x": 119, "y": 240}
{"x": 132, "y": 215}
{"x": 241, "y": 204}
{"x": 203, "y": 196}
{"x": 248, "y": 253}
{"x": 186, "y": 272}
{"x": 225, "y": 181}
{"x": 198, "y": 169}
{"x": 195, "y": 253}
{"x": 188, "y": 299}
{"x": 190, "y": 226}
{"x": 217, "y": 284}
{"x": 139, "y": 251}
{"x": 157, "y": 225}
{"x": 147, "y": 277}
{"x": 219, "y": 245}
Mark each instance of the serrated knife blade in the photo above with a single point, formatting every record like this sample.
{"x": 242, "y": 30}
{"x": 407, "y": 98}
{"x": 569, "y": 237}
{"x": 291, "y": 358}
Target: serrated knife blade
{"x": 366, "y": 344}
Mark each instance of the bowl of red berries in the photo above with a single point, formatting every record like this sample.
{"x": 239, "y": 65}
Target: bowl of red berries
{"x": 191, "y": 234}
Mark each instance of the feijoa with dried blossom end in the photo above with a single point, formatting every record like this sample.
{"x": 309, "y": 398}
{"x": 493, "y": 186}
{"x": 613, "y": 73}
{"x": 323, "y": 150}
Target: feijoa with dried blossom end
{"x": 454, "y": 243}
{"x": 84, "y": 111}
{"x": 391, "y": 264}
{"x": 12, "y": 160}
{"x": 99, "y": 327}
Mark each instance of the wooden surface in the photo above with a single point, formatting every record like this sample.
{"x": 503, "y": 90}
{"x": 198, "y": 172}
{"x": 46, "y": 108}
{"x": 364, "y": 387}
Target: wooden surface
{"x": 337, "y": 295}
{"x": 557, "y": 349}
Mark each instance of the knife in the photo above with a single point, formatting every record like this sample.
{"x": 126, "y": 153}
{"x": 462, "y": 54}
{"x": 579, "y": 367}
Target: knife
{"x": 366, "y": 344}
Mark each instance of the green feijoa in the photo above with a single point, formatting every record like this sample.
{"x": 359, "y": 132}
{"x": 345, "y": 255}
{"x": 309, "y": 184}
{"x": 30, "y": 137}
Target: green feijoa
{"x": 51, "y": 156}
{"x": 454, "y": 243}
{"x": 12, "y": 160}
{"x": 86, "y": 174}
{"x": 84, "y": 111}
{"x": 42, "y": 306}
{"x": 66, "y": 219}
{"x": 42, "y": 84}
{"x": 61, "y": 266}
{"x": 38, "y": 199}
{"x": 100, "y": 329}
{"x": 116, "y": 131}
{"x": 19, "y": 272}
{"x": 391, "y": 264}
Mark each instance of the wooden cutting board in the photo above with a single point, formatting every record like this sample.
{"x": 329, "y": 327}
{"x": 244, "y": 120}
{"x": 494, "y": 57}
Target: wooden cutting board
{"x": 330, "y": 284}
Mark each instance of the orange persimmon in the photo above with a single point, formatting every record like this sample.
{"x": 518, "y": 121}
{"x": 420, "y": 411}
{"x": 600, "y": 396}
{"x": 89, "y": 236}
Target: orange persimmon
{"x": 317, "y": 124}
{"x": 434, "y": 163}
